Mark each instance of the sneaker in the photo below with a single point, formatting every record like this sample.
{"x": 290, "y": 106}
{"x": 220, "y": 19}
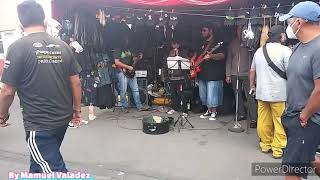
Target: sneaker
{"x": 92, "y": 117}
{"x": 71, "y": 126}
{"x": 84, "y": 122}
{"x": 185, "y": 115}
{"x": 143, "y": 108}
{"x": 213, "y": 116}
{"x": 205, "y": 115}
{"x": 171, "y": 112}
{"x": 125, "y": 109}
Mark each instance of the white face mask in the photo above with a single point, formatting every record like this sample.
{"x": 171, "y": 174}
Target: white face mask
{"x": 290, "y": 33}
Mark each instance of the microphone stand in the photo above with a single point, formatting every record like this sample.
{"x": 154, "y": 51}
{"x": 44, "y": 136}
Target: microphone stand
{"x": 237, "y": 128}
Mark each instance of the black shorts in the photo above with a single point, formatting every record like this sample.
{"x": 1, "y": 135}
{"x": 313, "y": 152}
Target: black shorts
{"x": 302, "y": 144}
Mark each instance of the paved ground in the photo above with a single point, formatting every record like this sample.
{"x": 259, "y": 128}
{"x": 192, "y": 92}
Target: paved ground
{"x": 109, "y": 151}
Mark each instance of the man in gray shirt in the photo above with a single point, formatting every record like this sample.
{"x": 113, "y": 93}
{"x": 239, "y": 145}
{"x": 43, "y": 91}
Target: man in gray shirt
{"x": 302, "y": 116}
{"x": 44, "y": 72}
{"x": 270, "y": 90}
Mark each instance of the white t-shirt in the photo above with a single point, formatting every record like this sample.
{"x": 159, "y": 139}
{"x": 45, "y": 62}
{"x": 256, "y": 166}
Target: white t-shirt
{"x": 270, "y": 86}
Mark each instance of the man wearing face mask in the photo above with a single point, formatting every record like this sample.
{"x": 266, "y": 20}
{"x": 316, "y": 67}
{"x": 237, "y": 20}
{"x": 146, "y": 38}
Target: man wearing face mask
{"x": 270, "y": 88}
{"x": 301, "y": 119}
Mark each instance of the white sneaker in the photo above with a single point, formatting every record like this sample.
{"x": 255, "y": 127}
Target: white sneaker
{"x": 171, "y": 112}
{"x": 92, "y": 117}
{"x": 213, "y": 117}
{"x": 205, "y": 115}
{"x": 185, "y": 115}
{"x": 84, "y": 122}
{"x": 71, "y": 126}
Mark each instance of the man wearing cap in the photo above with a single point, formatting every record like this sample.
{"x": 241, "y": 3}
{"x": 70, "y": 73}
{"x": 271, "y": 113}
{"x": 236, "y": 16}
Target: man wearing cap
{"x": 270, "y": 89}
{"x": 301, "y": 119}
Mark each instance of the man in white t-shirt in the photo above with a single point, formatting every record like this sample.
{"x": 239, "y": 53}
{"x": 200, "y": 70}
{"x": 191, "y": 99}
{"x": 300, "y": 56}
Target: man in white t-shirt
{"x": 270, "y": 89}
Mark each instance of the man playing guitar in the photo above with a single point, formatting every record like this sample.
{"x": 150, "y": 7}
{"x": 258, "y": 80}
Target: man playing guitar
{"x": 125, "y": 62}
{"x": 211, "y": 75}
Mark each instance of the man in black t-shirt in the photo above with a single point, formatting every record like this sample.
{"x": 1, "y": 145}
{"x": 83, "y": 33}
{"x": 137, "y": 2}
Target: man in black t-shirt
{"x": 44, "y": 72}
{"x": 212, "y": 74}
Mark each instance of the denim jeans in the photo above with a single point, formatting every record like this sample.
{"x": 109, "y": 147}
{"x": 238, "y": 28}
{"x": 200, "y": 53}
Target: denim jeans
{"x": 211, "y": 93}
{"x": 123, "y": 84}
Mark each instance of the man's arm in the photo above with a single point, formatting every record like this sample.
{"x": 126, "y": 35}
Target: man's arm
{"x": 6, "y": 98}
{"x": 313, "y": 104}
{"x": 218, "y": 56}
{"x": 252, "y": 75}
{"x": 252, "y": 78}
{"x": 229, "y": 62}
{"x": 122, "y": 65}
{"x": 76, "y": 92}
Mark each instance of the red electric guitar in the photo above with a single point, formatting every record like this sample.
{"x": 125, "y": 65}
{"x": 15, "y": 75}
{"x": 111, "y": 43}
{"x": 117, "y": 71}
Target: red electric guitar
{"x": 196, "y": 64}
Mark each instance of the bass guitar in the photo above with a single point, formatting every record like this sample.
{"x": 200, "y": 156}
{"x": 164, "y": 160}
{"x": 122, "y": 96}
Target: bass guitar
{"x": 196, "y": 64}
{"x": 136, "y": 58}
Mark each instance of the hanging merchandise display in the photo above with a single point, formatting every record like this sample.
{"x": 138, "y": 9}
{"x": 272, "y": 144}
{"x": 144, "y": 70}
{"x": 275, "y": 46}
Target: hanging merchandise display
{"x": 264, "y": 34}
{"x": 230, "y": 20}
{"x": 177, "y": 2}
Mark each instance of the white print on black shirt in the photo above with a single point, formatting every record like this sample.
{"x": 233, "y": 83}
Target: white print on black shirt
{"x": 49, "y": 57}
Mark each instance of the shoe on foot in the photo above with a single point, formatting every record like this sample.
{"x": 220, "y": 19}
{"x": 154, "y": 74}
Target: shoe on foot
{"x": 205, "y": 115}
{"x": 276, "y": 156}
{"x": 84, "y": 122}
{"x": 253, "y": 124}
{"x": 213, "y": 117}
{"x": 71, "y": 125}
{"x": 171, "y": 112}
{"x": 125, "y": 109}
{"x": 143, "y": 108}
{"x": 266, "y": 151}
{"x": 92, "y": 117}
{"x": 185, "y": 115}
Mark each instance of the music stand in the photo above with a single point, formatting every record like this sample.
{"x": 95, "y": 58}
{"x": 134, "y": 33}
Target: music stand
{"x": 179, "y": 63}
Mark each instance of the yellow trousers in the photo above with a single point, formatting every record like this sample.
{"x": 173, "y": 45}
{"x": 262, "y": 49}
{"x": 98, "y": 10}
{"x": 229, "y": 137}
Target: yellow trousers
{"x": 270, "y": 130}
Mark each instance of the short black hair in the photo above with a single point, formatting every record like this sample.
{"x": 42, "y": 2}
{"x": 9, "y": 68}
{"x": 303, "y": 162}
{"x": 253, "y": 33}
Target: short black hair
{"x": 30, "y": 13}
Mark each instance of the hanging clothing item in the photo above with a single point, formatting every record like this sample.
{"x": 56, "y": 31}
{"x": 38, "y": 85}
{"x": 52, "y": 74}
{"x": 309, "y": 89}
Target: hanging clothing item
{"x": 88, "y": 85}
{"x": 105, "y": 97}
{"x": 87, "y": 30}
{"x": 85, "y": 60}
{"x": 264, "y": 35}
{"x": 104, "y": 74}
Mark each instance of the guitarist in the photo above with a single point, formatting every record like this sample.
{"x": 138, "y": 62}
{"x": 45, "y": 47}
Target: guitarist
{"x": 124, "y": 61}
{"x": 212, "y": 74}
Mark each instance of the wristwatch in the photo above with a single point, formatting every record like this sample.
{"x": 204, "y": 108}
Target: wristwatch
{"x": 76, "y": 111}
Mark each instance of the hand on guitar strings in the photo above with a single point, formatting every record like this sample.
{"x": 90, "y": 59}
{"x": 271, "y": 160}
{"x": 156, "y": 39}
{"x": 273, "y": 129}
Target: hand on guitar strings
{"x": 130, "y": 68}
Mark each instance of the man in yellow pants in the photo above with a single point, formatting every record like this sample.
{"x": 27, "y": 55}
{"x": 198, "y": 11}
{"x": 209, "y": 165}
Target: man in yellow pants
{"x": 268, "y": 81}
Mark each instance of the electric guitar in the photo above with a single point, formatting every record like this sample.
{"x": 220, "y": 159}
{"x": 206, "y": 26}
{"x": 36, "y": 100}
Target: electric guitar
{"x": 136, "y": 58}
{"x": 196, "y": 64}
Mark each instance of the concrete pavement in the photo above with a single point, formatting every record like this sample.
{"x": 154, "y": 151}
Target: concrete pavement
{"x": 108, "y": 150}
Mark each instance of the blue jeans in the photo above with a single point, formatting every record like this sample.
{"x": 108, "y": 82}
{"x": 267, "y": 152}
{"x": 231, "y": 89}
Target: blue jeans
{"x": 211, "y": 93}
{"x": 44, "y": 147}
{"x": 123, "y": 84}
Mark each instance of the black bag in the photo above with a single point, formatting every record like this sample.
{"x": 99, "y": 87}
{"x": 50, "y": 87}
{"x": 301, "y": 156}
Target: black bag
{"x": 272, "y": 65}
